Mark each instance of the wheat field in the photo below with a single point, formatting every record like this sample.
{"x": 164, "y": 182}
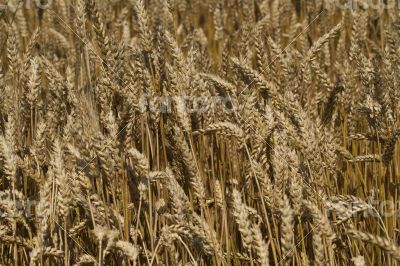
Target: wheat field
{"x": 199, "y": 132}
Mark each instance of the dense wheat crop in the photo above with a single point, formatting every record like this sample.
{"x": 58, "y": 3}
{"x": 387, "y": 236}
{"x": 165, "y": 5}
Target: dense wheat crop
{"x": 199, "y": 132}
